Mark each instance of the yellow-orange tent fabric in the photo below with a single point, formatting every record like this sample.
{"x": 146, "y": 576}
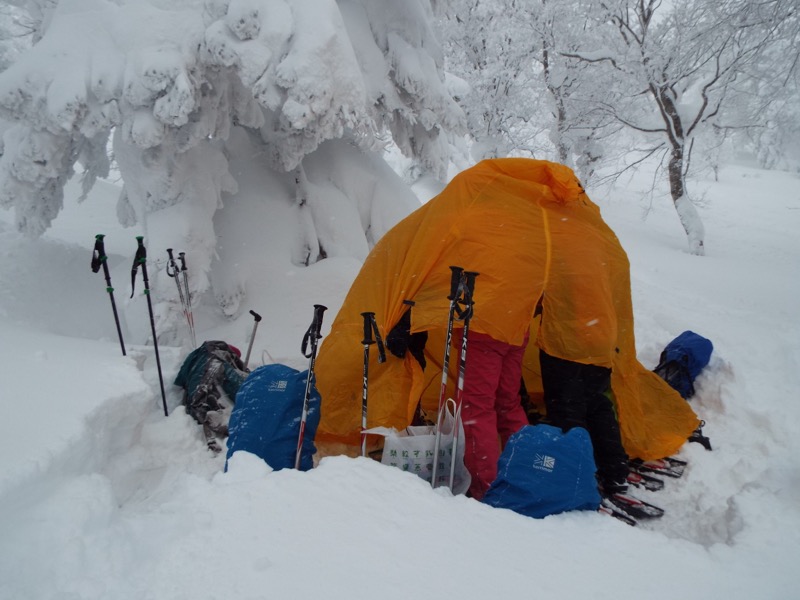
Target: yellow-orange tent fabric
{"x": 527, "y": 227}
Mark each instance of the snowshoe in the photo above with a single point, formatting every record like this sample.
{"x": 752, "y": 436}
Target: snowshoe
{"x": 645, "y": 481}
{"x": 633, "y": 507}
{"x": 608, "y": 508}
{"x": 665, "y": 467}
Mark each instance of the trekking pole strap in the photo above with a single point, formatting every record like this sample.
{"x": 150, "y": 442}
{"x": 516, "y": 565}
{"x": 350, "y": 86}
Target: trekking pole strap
{"x": 370, "y": 329}
{"x": 379, "y": 340}
{"x": 469, "y": 284}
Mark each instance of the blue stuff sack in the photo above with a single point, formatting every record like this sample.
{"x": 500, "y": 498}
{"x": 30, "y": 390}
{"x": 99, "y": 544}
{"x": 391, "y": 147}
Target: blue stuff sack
{"x": 544, "y": 471}
{"x": 682, "y": 360}
{"x": 266, "y": 418}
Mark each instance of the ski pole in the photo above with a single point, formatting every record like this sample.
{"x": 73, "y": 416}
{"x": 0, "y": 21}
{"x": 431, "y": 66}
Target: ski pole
{"x": 257, "y": 318}
{"x": 141, "y": 259}
{"x": 456, "y": 289}
{"x": 469, "y": 289}
{"x": 370, "y": 327}
{"x": 312, "y": 335}
{"x": 189, "y": 315}
{"x": 99, "y": 259}
{"x": 173, "y": 271}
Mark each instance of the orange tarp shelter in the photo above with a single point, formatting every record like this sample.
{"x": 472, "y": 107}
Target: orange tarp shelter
{"x": 529, "y": 230}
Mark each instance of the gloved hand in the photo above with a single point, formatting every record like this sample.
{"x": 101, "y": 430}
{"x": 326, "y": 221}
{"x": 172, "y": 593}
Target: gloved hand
{"x": 399, "y": 337}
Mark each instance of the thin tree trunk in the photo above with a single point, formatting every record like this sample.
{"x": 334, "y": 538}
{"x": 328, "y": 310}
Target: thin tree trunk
{"x": 557, "y": 132}
{"x": 687, "y": 213}
{"x": 309, "y": 250}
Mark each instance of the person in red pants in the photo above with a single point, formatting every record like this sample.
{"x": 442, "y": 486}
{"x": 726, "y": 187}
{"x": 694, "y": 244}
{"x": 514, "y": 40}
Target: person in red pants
{"x": 490, "y": 411}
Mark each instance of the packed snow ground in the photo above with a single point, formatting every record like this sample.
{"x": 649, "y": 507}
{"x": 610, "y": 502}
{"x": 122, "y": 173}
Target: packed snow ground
{"x": 101, "y": 496}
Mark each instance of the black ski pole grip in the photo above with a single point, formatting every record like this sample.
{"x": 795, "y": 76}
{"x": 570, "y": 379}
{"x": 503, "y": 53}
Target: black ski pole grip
{"x": 99, "y": 254}
{"x": 368, "y": 321}
{"x": 143, "y": 262}
{"x": 318, "y": 311}
{"x": 465, "y": 296}
{"x": 469, "y": 303}
{"x": 172, "y": 266}
{"x": 312, "y": 334}
{"x": 455, "y": 281}
{"x": 139, "y": 259}
{"x": 256, "y": 316}
{"x": 182, "y": 257}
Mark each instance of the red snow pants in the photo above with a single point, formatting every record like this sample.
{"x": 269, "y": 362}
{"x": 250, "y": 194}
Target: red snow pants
{"x": 491, "y": 406}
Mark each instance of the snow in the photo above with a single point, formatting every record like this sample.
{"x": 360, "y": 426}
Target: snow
{"x": 101, "y": 496}
{"x": 171, "y": 83}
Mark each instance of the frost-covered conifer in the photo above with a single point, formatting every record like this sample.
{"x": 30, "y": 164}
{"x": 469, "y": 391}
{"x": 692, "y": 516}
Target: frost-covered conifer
{"x": 174, "y": 80}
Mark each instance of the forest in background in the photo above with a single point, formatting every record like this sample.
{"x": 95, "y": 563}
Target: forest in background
{"x": 165, "y": 96}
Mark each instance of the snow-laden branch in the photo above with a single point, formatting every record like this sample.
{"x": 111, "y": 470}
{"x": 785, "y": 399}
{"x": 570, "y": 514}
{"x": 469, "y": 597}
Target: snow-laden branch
{"x": 171, "y": 79}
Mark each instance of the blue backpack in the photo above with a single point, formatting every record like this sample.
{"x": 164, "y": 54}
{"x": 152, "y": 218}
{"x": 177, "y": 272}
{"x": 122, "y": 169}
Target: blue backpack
{"x": 544, "y": 471}
{"x": 266, "y": 418}
{"x": 682, "y": 360}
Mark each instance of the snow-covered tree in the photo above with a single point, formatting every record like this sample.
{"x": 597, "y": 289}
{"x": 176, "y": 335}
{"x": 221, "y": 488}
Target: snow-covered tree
{"x": 583, "y": 80}
{"x": 173, "y": 81}
{"x": 676, "y": 67}
{"x": 771, "y": 100}
{"x": 488, "y": 47}
{"x": 577, "y": 128}
{"x": 529, "y": 96}
{"x": 15, "y": 34}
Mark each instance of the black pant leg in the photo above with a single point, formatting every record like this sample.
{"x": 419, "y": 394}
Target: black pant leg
{"x": 564, "y": 393}
{"x": 603, "y": 427}
{"x": 575, "y": 396}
